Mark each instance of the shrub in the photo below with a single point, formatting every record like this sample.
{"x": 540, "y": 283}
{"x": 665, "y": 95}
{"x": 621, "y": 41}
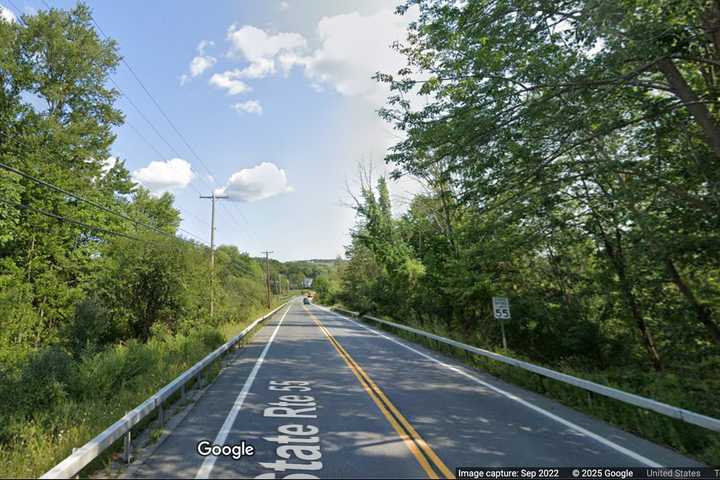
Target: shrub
{"x": 48, "y": 378}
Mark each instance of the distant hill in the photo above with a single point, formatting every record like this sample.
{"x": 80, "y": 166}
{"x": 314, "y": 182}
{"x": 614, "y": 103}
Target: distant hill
{"x": 331, "y": 261}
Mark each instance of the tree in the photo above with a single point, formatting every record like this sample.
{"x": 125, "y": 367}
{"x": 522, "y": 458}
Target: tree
{"x": 57, "y": 120}
{"x": 576, "y": 121}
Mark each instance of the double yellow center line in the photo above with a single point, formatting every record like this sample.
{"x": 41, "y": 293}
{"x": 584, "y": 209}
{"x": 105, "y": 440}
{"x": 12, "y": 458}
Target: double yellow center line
{"x": 426, "y": 457}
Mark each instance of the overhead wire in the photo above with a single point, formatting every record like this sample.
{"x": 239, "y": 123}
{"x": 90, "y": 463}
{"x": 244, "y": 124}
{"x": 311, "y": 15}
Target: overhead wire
{"x": 161, "y": 136}
{"x": 142, "y": 114}
{"x": 157, "y": 104}
{"x": 93, "y": 203}
{"x": 82, "y": 199}
{"x": 202, "y": 240}
{"x": 64, "y": 219}
{"x": 18, "y": 17}
{"x": 90, "y": 202}
{"x": 232, "y": 218}
{"x": 170, "y": 122}
{"x": 247, "y": 224}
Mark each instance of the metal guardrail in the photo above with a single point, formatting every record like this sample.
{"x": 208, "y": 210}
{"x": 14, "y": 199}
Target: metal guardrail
{"x": 643, "y": 402}
{"x": 81, "y": 457}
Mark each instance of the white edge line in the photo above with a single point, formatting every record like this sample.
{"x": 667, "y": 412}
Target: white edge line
{"x": 567, "y": 423}
{"x": 209, "y": 462}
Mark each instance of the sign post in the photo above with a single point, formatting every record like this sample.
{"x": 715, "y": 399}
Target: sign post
{"x": 501, "y": 310}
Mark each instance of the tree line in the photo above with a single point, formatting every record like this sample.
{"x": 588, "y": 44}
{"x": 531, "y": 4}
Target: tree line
{"x": 569, "y": 151}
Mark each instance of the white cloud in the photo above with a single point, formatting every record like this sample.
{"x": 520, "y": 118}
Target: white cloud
{"x": 200, "y": 63}
{"x": 353, "y": 47}
{"x": 251, "y": 106}
{"x": 230, "y": 81}
{"x": 259, "y": 69}
{"x": 203, "y": 45}
{"x": 7, "y": 15}
{"x": 284, "y": 5}
{"x": 162, "y": 177}
{"x": 260, "y": 49}
{"x": 341, "y": 63}
{"x": 255, "y": 44}
{"x": 257, "y": 183}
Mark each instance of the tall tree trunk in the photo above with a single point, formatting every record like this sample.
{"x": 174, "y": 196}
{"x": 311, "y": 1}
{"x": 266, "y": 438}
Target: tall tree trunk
{"x": 617, "y": 259}
{"x": 698, "y": 110}
{"x": 701, "y": 310}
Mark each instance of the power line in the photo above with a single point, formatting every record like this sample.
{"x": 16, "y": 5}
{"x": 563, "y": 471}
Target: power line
{"x": 144, "y": 139}
{"x": 81, "y": 198}
{"x": 156, "y": 103}
{"x": 232, "y": 217}
{"x": 63, "y": 219}
{"x": 202, "y": 240}
{"x": 172, "y": 125}
{"x": 195, "y": 217}
{"x": 247, "y": 224}
{"x": 137, "y": 131}
{"x": 19, "y": 12}
{"x": 90, "y": 202}
{"x": 160, "y": 155}
{"x": 150, "y": 144}
{"x": 182, "y": 137}
{"x": 156, "y": 130}
{"x": 170, "y": 122}
{"x": 142, "y": 114}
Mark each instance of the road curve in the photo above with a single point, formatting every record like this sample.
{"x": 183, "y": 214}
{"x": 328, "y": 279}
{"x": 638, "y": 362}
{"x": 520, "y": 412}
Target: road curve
{"x": 317, "y": 395}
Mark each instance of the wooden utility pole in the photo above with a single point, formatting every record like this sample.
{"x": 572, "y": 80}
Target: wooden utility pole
{"x": 213, "y": 197}
{"x": 267, "y": 276}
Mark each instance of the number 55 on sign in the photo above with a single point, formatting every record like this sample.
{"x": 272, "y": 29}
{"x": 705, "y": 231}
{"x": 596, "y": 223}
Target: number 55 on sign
{"x": 501, "y": 307}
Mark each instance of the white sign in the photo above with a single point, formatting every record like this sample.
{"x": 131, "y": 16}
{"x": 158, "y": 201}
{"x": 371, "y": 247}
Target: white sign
{"x": 501, "y": 308}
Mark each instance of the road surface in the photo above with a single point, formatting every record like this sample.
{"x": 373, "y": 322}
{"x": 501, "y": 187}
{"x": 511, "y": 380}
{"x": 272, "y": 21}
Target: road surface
{"x": 317, "y": 395}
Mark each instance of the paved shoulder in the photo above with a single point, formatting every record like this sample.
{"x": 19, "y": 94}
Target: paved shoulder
{"x": 471, "y": 418}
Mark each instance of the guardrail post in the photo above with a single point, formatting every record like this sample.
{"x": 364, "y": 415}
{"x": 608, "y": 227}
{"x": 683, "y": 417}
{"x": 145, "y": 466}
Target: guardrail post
{"x": 161, "y": 415}
{"x": 128, "y": 446}
{"x": 182, "y": 392}
{"x": 73, "y": 451}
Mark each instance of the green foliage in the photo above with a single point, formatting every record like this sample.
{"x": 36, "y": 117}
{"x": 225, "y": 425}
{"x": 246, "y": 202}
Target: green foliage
{"x": 92, "y": 327}
{"x": 571, "y": 154}
{"x": 565, "y": 168}
{"x": 92, "y": 320}
{"x": 158, "y": 280}
{"x": 65, "y": 402}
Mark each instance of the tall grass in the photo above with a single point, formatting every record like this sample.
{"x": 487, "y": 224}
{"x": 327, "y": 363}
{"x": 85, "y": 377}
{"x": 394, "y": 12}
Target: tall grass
{"x": 92, "y": 393}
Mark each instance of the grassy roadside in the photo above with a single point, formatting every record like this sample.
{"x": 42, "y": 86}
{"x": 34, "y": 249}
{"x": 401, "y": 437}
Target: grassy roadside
{"x": 102, "y": 388}
{"x": 697, "y": 392}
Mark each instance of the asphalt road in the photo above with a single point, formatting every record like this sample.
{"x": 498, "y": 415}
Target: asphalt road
{"x": 317, "y": 395}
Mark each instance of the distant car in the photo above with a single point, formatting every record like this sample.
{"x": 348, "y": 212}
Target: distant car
{"x": 306, "y": 301}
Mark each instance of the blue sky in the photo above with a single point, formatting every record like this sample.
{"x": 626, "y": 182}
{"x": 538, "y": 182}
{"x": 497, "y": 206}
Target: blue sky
{"x": 275, "y": 97}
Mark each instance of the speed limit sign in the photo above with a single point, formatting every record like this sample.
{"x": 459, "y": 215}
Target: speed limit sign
{"x": 501, "y": 308}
